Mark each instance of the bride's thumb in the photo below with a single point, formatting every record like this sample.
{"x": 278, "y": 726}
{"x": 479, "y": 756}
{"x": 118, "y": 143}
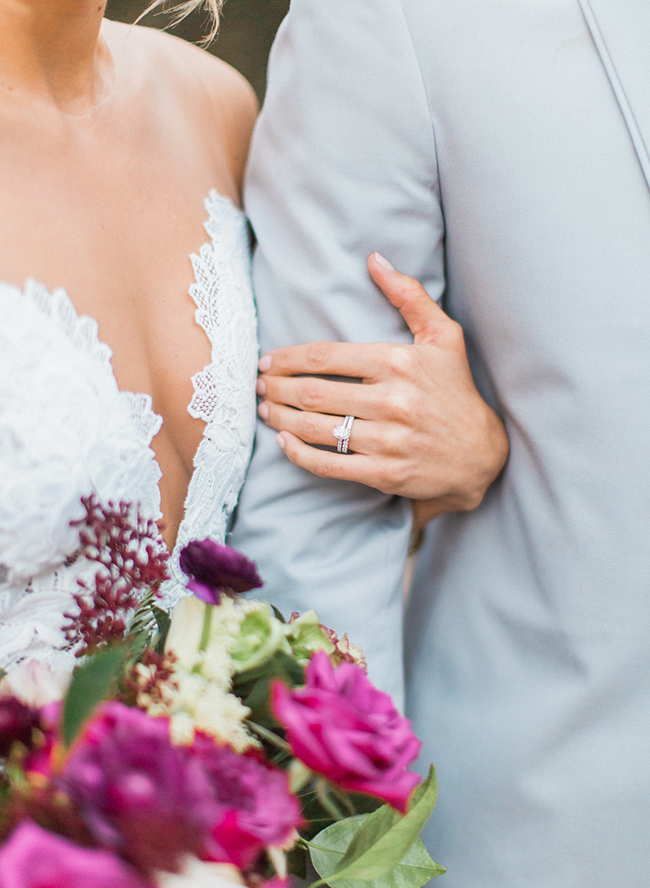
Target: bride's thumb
{"x": 426, "y": 320}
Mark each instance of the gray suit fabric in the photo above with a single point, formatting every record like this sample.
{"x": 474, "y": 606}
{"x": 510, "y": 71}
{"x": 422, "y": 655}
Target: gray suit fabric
{"x": 498, "y": 150}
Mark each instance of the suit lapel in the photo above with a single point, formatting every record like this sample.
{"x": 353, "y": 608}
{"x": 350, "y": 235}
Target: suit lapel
{"x": 621, "y": 32}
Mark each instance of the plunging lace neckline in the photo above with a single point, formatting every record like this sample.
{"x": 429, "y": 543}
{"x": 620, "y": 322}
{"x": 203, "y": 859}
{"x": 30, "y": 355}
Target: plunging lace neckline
{"x": 107, "y": 432}
{"x": 83, "y": 329}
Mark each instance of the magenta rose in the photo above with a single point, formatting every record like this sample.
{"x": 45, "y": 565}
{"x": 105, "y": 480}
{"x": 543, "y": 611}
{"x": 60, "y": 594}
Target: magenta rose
{"x": 214, "y": 568}
{"x": 35, "y": 858}
{"x": 138, "y": 793}
{"x": 341, "y": 726}
{"x": 256, "y": 810}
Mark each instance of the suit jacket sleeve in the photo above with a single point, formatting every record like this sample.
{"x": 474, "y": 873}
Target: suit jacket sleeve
{"x": 343, "y": 163}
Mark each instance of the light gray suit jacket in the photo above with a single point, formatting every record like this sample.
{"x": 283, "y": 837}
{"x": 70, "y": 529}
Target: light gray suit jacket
{"x": 497, "y": 150}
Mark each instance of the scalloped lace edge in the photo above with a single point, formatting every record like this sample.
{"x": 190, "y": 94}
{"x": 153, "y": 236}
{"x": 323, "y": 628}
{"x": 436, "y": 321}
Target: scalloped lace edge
{"x": 220, "y": 210}
{"x": 83, "y": 332}
{"x": 214, "y": 203}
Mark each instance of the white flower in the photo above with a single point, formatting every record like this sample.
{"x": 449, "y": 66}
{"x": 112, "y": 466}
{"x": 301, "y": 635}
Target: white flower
{"x": 194, "y": 701}
{"x": 199, "y": 874}
{"x": 198, "y": 696}
{"x": 35, "y": 683}
{"x": 210, "y": 708}
{"x": 186, "y": 631}
{"x": 184, "y": 636}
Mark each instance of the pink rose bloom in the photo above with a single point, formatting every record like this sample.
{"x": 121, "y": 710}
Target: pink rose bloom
{"x": 341, "y": 726}
{"x": 35, "y": 858}
{"x": 254, "y": 808}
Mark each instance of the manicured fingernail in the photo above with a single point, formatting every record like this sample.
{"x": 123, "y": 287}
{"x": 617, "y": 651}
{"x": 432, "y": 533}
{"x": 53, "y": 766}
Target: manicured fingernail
{"x": 379, "y": 259}
{"x": 281, "y": 442}
{"x": 260, "y": 387}
{"x": 265, "y": 364}
{"x": 263, "y": 411}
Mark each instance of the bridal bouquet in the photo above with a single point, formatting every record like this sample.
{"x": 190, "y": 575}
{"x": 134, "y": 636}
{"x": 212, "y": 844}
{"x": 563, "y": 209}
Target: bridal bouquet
{"x": 232, "y": 747}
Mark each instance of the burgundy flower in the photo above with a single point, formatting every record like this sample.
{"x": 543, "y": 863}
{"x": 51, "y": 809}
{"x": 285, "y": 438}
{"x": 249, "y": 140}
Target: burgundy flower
{"x": 256, "y": 808}
{"x": 138, "y": 793}
{"x": 17, "y": 723}
{"x": 213, "y": 569}
{"x": 39, "y": 758}
{"x": 132, "y": 559}
{"x": 344, "y": 728}
{"x": 35, "y": 858}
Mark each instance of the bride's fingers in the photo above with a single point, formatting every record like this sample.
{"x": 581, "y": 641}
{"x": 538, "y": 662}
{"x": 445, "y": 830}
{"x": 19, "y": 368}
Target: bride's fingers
{"x": 314, "y": 428}
{"x": 320, "y": 395}
{"x": 345, "y": 467}
{"x": 426, "y": 320}
{"x": 325, "y": 359}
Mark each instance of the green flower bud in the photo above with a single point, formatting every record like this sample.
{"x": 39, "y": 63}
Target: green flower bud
{"x": 306, "y": 636}
{"x": 260, "y": 635}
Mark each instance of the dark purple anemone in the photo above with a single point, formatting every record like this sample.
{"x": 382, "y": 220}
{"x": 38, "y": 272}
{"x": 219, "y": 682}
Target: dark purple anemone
{"x": 213, "y": 568}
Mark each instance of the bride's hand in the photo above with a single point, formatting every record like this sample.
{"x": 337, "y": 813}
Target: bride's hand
{"x": 422, "y": 430}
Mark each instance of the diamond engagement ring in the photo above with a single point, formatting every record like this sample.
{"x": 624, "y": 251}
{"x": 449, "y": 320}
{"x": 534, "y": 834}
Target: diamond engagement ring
{"x": 342, "y": 433}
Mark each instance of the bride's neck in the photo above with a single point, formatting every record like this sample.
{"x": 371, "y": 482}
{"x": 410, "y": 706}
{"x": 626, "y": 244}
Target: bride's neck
{"x": 52, "y": 51}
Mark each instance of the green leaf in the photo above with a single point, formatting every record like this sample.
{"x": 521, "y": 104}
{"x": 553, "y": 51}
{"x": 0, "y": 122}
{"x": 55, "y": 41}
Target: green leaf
{"x": 379, "y": 842}
{"x": 253, "y": 686}
{"x": 387, "y": 833}
{"x": 278, "y": 615}
{"x": 91, "y": 684}
{"x": 163, "y": 622}
{"x": 415, "y": 869}
{"x": 281, "y": 665}
{"x": 143, "y": 620}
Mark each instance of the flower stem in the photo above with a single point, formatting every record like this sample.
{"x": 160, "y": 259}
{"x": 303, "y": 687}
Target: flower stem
{"x": 207, "y": 623}
{"x": 327, "y": 801}
{"x": 343, "y": 798}
{"x": 269, "y": 736}
{"x": 307, "y": 844}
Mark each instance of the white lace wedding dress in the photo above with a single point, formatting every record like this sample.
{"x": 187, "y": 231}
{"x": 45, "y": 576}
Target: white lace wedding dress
{"x": 67, "y": 432}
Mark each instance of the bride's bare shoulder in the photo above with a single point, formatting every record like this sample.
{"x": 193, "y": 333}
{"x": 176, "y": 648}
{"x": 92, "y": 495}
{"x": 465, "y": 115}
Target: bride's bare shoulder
{"x": 206, "y": 93}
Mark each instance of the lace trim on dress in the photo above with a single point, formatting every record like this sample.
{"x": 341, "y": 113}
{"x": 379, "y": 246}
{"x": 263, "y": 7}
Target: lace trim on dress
{"x": 66, "y": 431}
{"x": 83, "y": 332}
{"x": 224, "y": 391}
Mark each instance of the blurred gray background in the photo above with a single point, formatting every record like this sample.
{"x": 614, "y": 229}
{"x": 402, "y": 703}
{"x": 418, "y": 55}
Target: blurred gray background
{"x": 247, "y": 31}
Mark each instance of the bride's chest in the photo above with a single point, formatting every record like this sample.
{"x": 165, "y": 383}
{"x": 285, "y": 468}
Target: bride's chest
{"x": 167, "y": 281}
{"x": 129, "y": 258}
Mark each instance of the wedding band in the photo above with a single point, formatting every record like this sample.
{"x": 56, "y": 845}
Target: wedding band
{"x": 342, "y": 434}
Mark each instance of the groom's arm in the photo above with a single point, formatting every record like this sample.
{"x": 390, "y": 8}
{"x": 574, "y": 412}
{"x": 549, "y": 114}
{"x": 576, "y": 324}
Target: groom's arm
{"x": 343, "y": 163}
